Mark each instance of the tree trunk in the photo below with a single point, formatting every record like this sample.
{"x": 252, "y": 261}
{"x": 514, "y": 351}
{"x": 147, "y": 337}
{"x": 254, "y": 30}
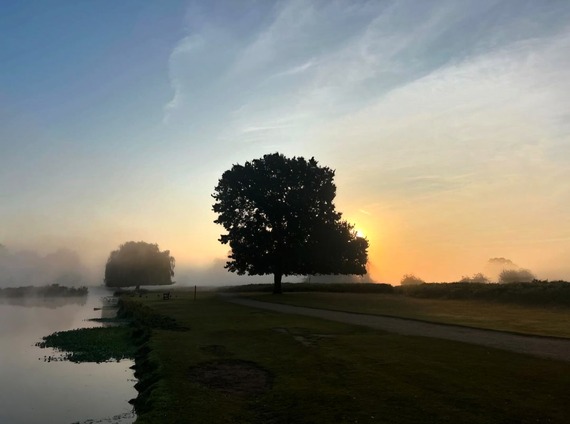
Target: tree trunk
{"x": 277, "y": 283}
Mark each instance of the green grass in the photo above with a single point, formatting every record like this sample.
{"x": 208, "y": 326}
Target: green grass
{"x": 327, "y": 372}
{"x": 546, "y": 321}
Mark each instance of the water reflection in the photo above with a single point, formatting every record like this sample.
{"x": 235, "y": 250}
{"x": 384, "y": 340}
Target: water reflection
{"x": 44, "y": 302}
{"x": 35, "y": 391}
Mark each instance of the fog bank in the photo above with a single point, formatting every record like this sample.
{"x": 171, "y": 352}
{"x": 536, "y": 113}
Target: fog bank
{"x": 30, "y": 268}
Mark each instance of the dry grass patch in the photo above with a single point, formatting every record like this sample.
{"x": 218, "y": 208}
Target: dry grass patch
{"x": 232, "y": 376}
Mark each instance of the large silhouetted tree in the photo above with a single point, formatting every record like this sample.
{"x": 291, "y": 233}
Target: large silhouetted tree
{"x": 139, "y": 264}
{"x": 280, "y": 219}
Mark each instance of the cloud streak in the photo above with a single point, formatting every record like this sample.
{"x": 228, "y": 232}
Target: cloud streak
{"x": 448, "y": 115}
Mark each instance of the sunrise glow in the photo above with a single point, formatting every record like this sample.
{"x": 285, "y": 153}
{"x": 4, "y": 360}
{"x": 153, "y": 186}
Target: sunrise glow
{"x": 445, "y": 123}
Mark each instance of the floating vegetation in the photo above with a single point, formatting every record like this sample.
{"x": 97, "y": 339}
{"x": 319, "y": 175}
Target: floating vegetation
{"x": 101, "y": 344}
{"x": 115, "y": 419}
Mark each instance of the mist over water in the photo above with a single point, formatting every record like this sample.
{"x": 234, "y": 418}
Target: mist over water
{"x": 30, "y": 268}
{"x": 35, "y": 391}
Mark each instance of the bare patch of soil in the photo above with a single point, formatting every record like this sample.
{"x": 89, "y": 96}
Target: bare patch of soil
{"x": 234, "y": 377}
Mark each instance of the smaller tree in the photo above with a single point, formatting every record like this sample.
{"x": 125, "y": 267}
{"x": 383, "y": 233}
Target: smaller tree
{"x": 139, "y": 264}
{"x": 516, "y": 276}
{"x": 411, "y": 280}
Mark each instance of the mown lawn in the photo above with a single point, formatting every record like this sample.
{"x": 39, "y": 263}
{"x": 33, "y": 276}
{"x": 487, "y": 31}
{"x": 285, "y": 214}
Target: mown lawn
{"x": 539, "y": 320}
{"x": 326, "y": 372}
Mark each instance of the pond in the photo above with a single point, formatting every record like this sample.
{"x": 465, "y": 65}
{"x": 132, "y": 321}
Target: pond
{"x": 37, "y": 391}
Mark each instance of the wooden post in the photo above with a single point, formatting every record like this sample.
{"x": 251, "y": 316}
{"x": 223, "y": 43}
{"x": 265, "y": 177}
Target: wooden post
{"x": 194, "y": 293}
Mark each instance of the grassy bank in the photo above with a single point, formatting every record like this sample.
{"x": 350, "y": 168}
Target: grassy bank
{"x": 239, "y": 365}
{"x": 544, "y": 321}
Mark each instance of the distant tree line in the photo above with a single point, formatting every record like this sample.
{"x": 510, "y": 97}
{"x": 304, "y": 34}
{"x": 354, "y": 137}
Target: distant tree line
{"x": 53, "y": 290}
{"x": 27, "y": 267}
{"x": 506, "y": 276}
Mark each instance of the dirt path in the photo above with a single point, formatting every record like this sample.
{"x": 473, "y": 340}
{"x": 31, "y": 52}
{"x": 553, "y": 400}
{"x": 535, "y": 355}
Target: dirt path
{"x": 544, "y": 347}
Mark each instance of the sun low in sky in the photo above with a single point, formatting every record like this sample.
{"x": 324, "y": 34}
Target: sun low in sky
{"x": 446, "y": 122}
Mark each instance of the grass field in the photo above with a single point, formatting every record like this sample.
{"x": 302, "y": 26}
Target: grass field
{"x": 539, "y": 320}
{"x": 278, "y": 368}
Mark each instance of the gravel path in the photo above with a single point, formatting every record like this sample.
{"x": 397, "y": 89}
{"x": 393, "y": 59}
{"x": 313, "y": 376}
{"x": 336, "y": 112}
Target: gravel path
{"x": 544, "y": 347}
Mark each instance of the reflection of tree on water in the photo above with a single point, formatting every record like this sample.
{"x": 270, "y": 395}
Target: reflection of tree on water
{"x": 44, "y": 302}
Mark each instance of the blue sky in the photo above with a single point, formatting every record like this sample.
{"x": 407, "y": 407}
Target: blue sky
{"x": 446, "y": 122}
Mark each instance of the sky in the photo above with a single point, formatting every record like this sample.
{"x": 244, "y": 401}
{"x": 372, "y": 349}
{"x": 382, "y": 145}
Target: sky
{"x": 446, "y": 121}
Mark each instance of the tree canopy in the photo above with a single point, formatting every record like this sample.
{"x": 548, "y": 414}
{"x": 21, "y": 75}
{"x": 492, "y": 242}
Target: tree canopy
{"x": 280, "y": 219}
{"x": 139, "y": 264}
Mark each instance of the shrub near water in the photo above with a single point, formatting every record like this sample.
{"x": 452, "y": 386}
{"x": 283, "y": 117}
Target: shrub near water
{"x": 144, "y": 316}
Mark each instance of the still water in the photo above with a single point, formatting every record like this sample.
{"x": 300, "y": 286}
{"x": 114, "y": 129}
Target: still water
{"x": 35, "y": 391}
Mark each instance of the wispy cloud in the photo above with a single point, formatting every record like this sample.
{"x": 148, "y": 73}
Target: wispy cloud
{"x": 457, "y": 110}
{"x": 411, "y": 102}
{"x": 295, "y": 70}
{"x": 265, "y": 128}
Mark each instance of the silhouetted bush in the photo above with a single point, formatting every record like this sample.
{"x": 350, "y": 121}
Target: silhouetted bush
{"x": 509, "y": 276}
{"x": 477, "y": 278}
{"x": 411, "y": 280}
